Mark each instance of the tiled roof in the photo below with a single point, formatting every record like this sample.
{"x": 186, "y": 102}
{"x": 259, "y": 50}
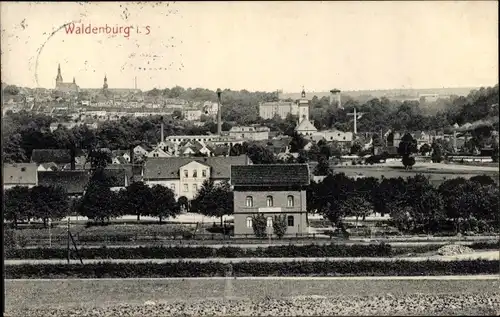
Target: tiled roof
{"x": 40, "y": 156}
{"x": 305, "y": 125}
{"x": 270, "y": 175}
{"x": 20, "y": 174}
{"x": 168, "y": 167}
{"x": 74, "y": 182}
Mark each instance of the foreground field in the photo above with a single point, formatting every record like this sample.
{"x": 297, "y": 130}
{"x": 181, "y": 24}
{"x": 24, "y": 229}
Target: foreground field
{"x": 244, "y": 297}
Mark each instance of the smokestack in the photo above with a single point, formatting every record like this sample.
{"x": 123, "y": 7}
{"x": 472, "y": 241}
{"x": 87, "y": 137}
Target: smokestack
{"x": 73, "y": 158}
{"x": 162, "y": 136}
{"x": 219, "y": 116}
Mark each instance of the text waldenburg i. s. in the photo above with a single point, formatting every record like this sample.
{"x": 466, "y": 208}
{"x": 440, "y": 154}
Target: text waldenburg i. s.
{"x": 89, "y": 28}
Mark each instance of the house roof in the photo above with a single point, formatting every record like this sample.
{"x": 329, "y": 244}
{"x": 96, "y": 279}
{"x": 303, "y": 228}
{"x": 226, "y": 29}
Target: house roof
{"x": 57, "y": 156}
{"x": 20, "y": 173}
{"x": 74, "y": 182}
{"x": 305, "y": 125}
{"x": 168, "y": 167}
{"x": 270, "y": 175}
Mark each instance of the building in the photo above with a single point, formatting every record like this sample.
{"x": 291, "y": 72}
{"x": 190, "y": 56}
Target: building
{"x": 73, "y": 182}
{"x": 20, "y": 174}
{"x": 65, "y": 87}
{"x": 192, "y": 114}
{"x": 299, "y": 108}
{"x": 185, "y": 175}
{"x": 270, "y": 189}
{"x": 254, "y": 133}
{"x": 213, "y": 139}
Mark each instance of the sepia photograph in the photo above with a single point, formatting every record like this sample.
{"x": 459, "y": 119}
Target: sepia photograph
{"x": 250, "y": 158}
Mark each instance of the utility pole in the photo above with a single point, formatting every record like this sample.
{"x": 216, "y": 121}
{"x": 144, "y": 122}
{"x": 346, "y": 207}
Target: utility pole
{"x": 219, "y": 115}
{"x": 69, "y": 251}
{"x": 356, "y": 117}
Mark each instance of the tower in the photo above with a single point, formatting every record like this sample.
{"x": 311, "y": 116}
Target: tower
{"x": 59, "y": 78}
{"x": 303, "y": 106}
{"x": 335, "y": 98}
{"x": 105, "y": 85}
{"x": 74, "y": 81}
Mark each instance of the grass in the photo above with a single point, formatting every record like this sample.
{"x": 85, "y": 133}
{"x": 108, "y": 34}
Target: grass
{"x": 22, "y": 294}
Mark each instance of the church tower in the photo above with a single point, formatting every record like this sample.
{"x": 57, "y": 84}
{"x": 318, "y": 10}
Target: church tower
{"x": 74, "y": 81}
{"x": 303, "y": 106}
{"x": 105, "y": 86}
{"x": 59, "y": 78}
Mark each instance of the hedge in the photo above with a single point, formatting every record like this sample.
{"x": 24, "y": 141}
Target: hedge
{"x": 209, "y": 269}
{"x": 161, "y": 252}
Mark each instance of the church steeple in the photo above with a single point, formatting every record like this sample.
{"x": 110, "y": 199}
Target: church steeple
{"x": 74, "y": 81}
{"x": 105, "y": 86}
{"x": 303, "y": 95}
{"x": 59, "y": 78}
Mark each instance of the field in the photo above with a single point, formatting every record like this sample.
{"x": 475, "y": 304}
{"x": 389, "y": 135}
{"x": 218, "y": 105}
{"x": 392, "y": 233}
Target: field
{"x": 343, "y": 295}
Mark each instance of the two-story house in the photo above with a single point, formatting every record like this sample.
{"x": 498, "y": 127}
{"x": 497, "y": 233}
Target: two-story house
{"x": 185, "y": 175}
{"x": 270, "y": 189}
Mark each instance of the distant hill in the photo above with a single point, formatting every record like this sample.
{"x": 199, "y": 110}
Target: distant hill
{"x": 389, "y": 93}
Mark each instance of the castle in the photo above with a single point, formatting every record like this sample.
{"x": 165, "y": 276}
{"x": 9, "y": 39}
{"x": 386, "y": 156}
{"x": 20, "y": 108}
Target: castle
{"x": 65, "y": 87}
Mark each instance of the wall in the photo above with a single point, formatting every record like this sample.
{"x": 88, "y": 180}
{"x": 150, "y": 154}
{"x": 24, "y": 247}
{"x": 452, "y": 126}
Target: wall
{"x": 241, "y": 212}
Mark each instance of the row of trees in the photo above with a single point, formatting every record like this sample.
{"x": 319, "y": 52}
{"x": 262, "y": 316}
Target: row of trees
{"x": 414, "y": 204}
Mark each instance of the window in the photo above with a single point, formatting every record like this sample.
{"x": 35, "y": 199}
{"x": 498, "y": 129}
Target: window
{"x": 172, "y": 187}
{"x": 195, "y": 173}
{"x": 185, "y": 173}
{"x": 290, "y": 221}
{"x": 270, "y": 222}
{"x": 269, "y": 201}
{"x": 204, "y": 173}
{"x": 249, "y": 222}
{"x": 290, "y": 202}
{"x": 186, "y": 188}
{"x": 195, "y": 187}
{"x": 249, "y": 201}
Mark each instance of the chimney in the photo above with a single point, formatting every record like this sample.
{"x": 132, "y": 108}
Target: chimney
{"x": 162, "y": 136}
{"x": 219, "y": 116}
{"x": 73, "y": 159}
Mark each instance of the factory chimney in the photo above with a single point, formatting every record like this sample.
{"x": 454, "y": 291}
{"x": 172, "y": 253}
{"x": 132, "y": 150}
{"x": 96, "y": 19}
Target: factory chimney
{"x": 73, "y": 158}
{"x": 162, "y": 136}
{"x": 219, "y": 116}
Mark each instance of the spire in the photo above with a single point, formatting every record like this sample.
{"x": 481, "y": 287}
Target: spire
{"x": 303, "y": 92}
{"x": 74, "y": 81}
{"x": 105, "y": 86}
{"x": 59, "y": 76}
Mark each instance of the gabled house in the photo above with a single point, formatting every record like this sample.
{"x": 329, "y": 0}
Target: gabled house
{"x": 157, "y": 152}
{"x": 48, "y": 167}
{"x": 20, "y": 174}
{"x": 125, "y": 154}
{"x": 305, "y": 127}
{"x": 270, "y": 190}
{"x": 185, "y": 175}
{"x": 140, "y": 151}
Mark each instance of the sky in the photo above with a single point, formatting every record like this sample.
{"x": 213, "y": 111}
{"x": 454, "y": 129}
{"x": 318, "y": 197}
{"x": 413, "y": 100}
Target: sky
{"x": 259, "y": 46}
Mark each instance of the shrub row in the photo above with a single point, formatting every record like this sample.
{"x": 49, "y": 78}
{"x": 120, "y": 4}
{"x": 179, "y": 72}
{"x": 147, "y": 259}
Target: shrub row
{"x": 160, "y": 252}
{"x": 195, "y": 269}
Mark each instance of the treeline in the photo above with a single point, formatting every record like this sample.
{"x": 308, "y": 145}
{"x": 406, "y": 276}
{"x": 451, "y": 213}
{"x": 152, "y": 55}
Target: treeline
{"x": 414, "y": 204}
{"x": 99, "y": 203}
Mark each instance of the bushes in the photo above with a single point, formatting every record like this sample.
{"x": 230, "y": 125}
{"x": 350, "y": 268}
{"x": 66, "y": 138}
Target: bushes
{"x": 160, "y": 252}
{"x": 193, "y": 269}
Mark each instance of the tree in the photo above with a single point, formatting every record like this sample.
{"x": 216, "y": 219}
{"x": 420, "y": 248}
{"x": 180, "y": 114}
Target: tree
{"x": 236, "y": 150}
{"x": 280, "y": 225}
{"x": 451, "y": 190}
{"x": 425, "y": 148}
{"x": 390, "y": 191}
{"x": 355, "y": 149}
{"x": 100, "y": 203}
{"x": 18, "y": 204}
{"x": 49, "y": 202}
{"x": 437, "y": 153}
{"x": 408, "y": 161}
{"x": 137, "y": 198}
{"x": 214, "y": 200}
{"x": 323, "y": 167}
{"x": 407, "y": 146}
{"x": 482, "y": 179}
{"x": 163, "y": 204}
{"x": 260, "y": 155}
{"x": 329, "y": 195}
{"x": 259, "y": 225}
{"x": 297, "y": 143}
{"x": 303, "y": 156}
{"x": 494, "y": 154}
{"x": 356, "y": 206}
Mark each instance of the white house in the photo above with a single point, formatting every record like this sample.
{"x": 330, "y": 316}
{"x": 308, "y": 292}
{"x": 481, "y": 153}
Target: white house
{"x": 157, "y": 152}
{"x": 140, "y": 151}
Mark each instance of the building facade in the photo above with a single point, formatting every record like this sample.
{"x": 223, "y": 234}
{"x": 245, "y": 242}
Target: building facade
{"x": 185, "y": 175}
{"x": 254, "y": 133}
{"x": 20, "y": 174}
{"x": 299, "y": 108}
{"x": 271, "y": 190}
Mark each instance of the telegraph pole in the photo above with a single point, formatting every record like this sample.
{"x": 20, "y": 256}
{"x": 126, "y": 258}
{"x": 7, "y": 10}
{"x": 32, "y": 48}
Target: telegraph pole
{"x": 69, "y": 251}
